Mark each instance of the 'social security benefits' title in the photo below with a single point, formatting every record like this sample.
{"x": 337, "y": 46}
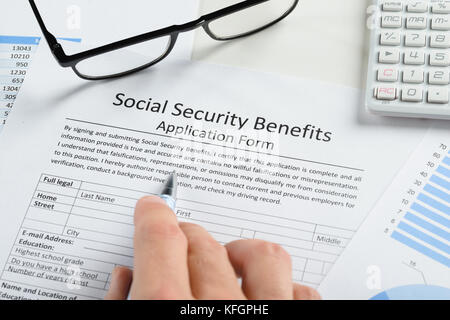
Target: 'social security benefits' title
{"x": 228, "y": 118}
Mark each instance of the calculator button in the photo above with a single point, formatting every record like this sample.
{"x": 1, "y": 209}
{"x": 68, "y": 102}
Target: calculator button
{"x": 440, "y": 40}
{"x": 441, "y": 7}
{"x": 393, "y": 6}
{"x": 418, "y": 7}
{"x": 387, "y": 74}
{"x": 391, "y": 20}
{"x": 412, "y": 94}
{"x": 439, "y": 59}
{"x": 415, "y": 40}
{"x": 386, "y": 93}
{"x": 413, "y": 75}
{"x": 416, "y": 22}
{"x": 414, "y": 57}
{"x": 389, "y": 56}
{"x": 438, "y": 95}
{"x": 440, "y": 22}
{"x": 439, "y": 77}
{"x": 390, "y": 38}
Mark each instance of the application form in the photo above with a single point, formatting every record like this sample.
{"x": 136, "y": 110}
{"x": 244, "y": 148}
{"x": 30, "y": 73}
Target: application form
{"x": 402, "y": 251}
{"x": 258, "y": 156}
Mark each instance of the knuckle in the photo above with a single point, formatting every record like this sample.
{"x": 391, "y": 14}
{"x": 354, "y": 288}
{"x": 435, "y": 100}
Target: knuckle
{"x": 200, "y": 240}
{"x": 159, "y": 229}
{"x": 266, "y": 248}
{"x": 190, "y": 228}
{"x": 201, "y": 244}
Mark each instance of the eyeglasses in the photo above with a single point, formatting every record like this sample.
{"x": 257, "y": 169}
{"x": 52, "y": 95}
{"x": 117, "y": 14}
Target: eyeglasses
{"x": 121, "y": 58}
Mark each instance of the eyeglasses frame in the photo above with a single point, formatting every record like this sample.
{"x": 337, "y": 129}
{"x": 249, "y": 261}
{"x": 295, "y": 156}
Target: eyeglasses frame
{"x": 70, "y": 61}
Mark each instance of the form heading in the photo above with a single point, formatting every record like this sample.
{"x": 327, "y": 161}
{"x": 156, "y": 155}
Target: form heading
{"x": 228, "y": 119}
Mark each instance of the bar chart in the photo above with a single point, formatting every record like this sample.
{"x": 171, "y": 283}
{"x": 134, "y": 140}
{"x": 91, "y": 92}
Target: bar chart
{"x": 402, "y": 250}
{"x": 425, "y": 226}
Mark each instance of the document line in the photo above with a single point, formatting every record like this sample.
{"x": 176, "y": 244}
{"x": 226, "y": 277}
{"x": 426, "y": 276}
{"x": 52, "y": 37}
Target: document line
{"x": 218, "y": 145}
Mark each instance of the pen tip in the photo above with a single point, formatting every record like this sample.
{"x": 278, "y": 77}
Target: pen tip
{"x": 173, "y": 177}
{"x": 170, "y": 186}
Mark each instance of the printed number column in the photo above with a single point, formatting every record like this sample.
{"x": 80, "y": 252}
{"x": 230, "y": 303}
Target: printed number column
{"x": 15, "y": 57}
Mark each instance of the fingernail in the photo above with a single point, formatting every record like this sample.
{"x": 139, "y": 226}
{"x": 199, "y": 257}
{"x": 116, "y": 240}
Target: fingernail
{"x": 153, "y": 199}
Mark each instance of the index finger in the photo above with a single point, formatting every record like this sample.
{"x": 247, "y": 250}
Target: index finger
{"x": 160, "y": 256}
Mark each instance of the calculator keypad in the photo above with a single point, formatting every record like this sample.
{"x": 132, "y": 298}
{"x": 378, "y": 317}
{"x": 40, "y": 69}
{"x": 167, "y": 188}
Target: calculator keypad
{"x": 417, "y": 7}
{"x": 412, "y": 55}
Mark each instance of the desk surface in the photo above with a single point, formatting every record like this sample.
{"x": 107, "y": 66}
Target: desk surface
{"x": 323, "y": 40}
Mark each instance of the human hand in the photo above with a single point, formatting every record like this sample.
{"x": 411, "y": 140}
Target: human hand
{"x": 182, "y": 261}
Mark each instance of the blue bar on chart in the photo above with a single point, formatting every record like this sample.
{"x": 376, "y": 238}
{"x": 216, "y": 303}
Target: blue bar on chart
{"x": 416, "y": 233}
{"x": 425, "y": 227}
{"x": 18, "y": 40}
{"x": 16, "y": 53}
{"x": 444, "y": 171}
{"x": 446, "y": 161}
{"x": 434, "y": 203}
{"x": 421, "y": 248}
{"x": 431, "y": 215}
{"x": 440, "y": 182}
{"x": 437, "y": 193}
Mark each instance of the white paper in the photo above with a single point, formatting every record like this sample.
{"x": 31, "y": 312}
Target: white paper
{"x": 316, "y": 41}
{"x": 402, "y": 249}
{"x": 70, "y": 202}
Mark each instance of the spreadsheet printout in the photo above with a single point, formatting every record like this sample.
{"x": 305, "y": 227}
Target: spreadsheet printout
{"x": 270, "y": 162}
{"x": 16, "y": 54}
{"x": 402, "y": 251}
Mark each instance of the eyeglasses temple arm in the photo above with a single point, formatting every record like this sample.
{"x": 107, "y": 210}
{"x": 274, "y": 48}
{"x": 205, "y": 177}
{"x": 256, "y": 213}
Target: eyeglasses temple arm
{"x": 51, "y": 39}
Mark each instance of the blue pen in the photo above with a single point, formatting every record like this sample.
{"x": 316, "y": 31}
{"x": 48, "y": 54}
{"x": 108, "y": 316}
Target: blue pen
{"x": 169, "y": 193}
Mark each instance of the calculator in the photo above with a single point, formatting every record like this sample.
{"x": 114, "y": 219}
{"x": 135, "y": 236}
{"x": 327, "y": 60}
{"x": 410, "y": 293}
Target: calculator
{"x": 409, "y": 60}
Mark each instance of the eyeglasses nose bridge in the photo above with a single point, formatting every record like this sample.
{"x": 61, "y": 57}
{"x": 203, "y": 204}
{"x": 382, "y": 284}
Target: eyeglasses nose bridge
{"x": 199, "y": 23}
{"x": 192, "y": 25}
